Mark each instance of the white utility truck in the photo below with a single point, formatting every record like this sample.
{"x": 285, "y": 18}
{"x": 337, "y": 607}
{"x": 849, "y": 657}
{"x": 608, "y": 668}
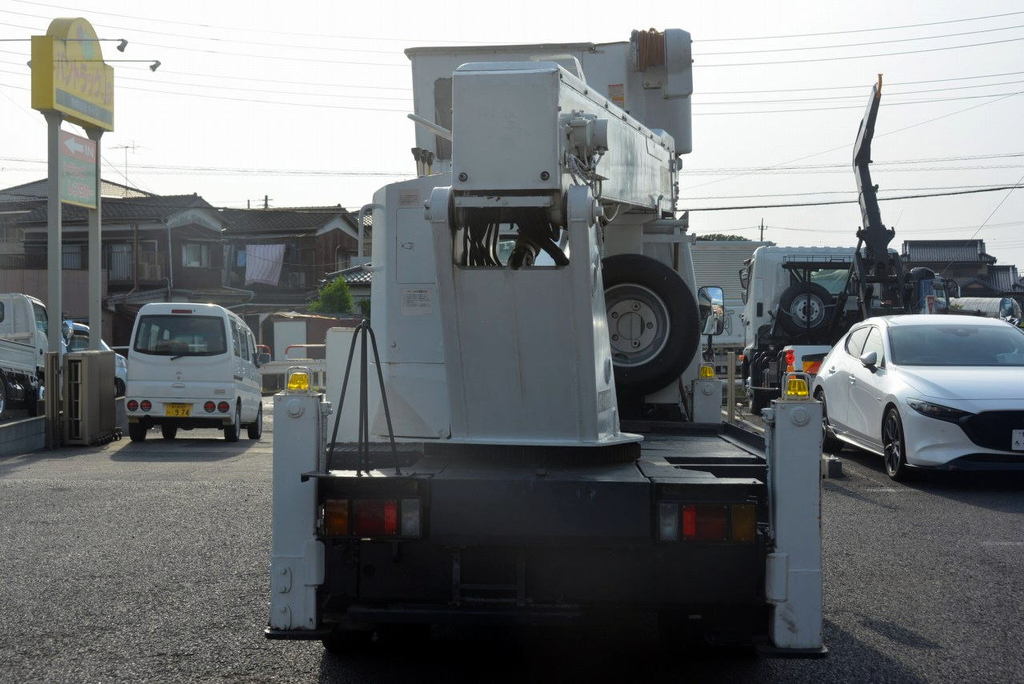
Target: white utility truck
{"x": 533, "y": 298}
{"x": 23, "y": 343}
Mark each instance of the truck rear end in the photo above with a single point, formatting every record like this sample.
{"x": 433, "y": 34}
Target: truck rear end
{"x": 682, "y": 532}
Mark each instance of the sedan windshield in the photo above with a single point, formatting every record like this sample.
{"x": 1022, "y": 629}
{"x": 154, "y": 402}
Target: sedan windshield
{"x": 181, "y": 335}
{"x": 957, "y": 345}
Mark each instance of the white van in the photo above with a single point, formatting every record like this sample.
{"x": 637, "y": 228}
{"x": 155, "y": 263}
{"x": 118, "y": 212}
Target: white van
{"x": 192, "y": 366}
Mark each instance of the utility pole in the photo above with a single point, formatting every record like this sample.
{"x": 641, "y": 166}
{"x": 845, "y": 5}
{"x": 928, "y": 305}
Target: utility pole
{"x": 761, "y": 239}
{"x": 266, "y": 202}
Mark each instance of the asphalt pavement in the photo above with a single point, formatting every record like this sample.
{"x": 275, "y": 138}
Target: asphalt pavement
{"x": 148, "y": 562}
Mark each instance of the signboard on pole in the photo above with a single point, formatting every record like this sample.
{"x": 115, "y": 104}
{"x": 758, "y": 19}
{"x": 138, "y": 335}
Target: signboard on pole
{"x": 77, "y": 170}
{"x": 69, "y": 75}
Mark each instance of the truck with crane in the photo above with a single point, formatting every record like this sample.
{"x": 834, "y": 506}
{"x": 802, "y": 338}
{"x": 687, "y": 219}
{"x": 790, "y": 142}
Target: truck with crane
{"x": 535, "y": 440}
{"x": 798, "y": 301}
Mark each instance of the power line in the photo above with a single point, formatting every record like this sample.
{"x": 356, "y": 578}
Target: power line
{"x": 835, "y": 192}
{"x": 861, "y": 86}
{"x": 860, "y": 95}
{"x": 875, "y": 42}
{"x": 834, "y": 202}
{"x": 923, "y": 160}
{"x": 877, "y": 135}
{"x": 846, "y": 57}
{"x": 292, "y": 46}
{"x": 863, "y": 30}
{"x": 215, "y": 27}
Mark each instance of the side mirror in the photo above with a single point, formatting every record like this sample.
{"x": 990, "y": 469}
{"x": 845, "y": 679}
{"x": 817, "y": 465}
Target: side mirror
{"x": 711, "y": 304}
{"x": 869, "y": 359}
{"x": 262, "y": 358}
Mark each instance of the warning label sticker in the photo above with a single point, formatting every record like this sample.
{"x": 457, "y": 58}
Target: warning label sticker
{"x": 419, "y": 302}
{"x": 617, "y": 94}
{"x": 408, "y": 198}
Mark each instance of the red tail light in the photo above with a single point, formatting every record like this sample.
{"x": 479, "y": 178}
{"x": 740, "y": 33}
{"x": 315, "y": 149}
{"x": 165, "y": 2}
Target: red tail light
{"x": 707, "y": 522}
{"x": 371, "y": 518}
{"x": 209, "y": 407}
{"x": 223, "y": 407}
{"x": 375, "y": 517}
{"x": 146, "y": 404}
{"x": 790, "y": 359}
{"x": 132, "y": 405}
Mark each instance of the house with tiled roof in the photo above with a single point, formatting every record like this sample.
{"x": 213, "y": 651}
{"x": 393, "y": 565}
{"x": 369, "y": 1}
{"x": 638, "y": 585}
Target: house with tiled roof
{"x": 968, "y": 263}
{"x": 283, "y": 254}
{"x": 155, "y": 248}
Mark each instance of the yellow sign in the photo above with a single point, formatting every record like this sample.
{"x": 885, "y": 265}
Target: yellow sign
{"x": 70, "y": 76}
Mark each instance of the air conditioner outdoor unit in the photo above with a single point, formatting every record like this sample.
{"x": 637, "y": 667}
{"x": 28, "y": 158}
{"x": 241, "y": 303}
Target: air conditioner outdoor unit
{"x": 89, "y": 416}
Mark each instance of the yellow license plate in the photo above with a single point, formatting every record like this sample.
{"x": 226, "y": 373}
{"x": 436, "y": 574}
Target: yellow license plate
{"x": 178, "y": 410}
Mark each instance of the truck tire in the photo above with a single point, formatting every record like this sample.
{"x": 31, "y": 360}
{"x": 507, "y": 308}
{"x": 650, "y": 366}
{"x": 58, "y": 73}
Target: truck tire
{"x": 804, "y": 308}
{"x": 758, "y": 399}
{"x": 3, "y": 394}
{"x": 652, "y": 322}
{"x": 168, "y": 431}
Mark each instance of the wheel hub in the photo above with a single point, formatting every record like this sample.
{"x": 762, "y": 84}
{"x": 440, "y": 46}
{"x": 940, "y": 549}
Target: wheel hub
{"x": 638, "y": 325}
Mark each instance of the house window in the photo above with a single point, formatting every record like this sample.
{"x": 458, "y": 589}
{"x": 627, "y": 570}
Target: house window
{"x": 72, "y": 256}
{"x": 195, "y": 255}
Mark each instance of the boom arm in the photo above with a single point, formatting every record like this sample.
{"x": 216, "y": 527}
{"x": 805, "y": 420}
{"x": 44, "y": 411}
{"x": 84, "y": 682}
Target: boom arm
{"x": 873, "y": 264}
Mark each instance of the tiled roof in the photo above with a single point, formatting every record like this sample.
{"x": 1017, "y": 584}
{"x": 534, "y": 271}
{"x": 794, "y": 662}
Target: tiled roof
{"x": 355, "y": 275}
{"x": 108, "y": 189}
{"x": 945, "y": 250}
{"x": 281, "y": 220}
{"x": 129, "y": 209}
{"x": 1003, "y": 278}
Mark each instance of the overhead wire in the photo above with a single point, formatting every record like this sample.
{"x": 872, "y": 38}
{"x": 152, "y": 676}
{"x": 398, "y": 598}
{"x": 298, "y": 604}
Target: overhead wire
{"x": 836, "y": 33}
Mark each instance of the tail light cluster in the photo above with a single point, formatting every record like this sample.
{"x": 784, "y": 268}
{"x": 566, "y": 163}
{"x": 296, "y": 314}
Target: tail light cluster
{"x": 146, "y": 405}
{"x": 371, "y": 518}
{"x": 707, "y": 522}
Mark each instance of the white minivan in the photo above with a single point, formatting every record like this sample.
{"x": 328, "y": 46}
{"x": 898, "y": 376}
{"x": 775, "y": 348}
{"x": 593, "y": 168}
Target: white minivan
{"x": 192, "y": 366}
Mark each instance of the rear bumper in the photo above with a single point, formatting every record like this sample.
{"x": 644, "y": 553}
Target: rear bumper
{"x": 184, "y": 423}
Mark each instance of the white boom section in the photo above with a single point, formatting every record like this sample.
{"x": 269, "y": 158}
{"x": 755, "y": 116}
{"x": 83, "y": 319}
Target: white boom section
{"x": 528, "y": 127}
{"x": 528, "y": 356}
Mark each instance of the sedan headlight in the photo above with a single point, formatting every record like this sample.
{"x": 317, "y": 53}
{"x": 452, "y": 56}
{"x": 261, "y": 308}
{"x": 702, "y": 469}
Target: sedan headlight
{"x": 937, "y": 411}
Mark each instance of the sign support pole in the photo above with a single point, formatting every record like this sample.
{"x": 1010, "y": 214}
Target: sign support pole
{"x": 96, "y": 253}
{"x": 54, "y": 235}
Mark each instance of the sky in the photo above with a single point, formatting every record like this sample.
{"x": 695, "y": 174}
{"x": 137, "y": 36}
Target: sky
{"x": 304, "y": 103}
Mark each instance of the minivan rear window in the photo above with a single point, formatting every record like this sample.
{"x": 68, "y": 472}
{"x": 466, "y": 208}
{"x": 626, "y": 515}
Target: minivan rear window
{"x": 181, "y": 336}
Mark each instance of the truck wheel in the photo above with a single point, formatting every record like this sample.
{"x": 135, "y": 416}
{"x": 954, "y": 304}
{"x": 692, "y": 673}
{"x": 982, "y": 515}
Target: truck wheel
{"x": 169, "y": 431}
{"x": 255, "y": 430}
{"x": 652, "y": 322}
{"x": 757, "y": 400}
{"x": 35, "y": 407}
{"x": 137, "y": 432}
{"x": 804, "y": 308}
{"x": 3, "y": 394}
{"x": 118, "y": 387}
{"x": 231, "y": 432}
